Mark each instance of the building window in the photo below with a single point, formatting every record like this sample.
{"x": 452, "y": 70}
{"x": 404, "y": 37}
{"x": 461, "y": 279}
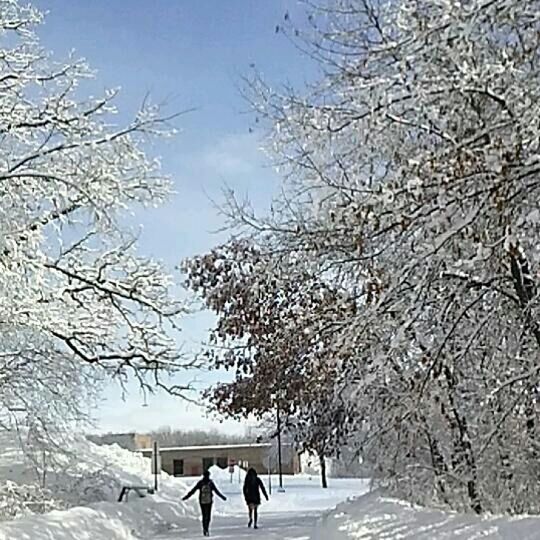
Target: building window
{"x": 178, "y": 467}
{"x": 222, "y": 462}
{"x": 207, "y": 462}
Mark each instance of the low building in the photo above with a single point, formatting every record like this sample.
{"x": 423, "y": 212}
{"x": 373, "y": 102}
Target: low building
{"x": 193, "y": 460}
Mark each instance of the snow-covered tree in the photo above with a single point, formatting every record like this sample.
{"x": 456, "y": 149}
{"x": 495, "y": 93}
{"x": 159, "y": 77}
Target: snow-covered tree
{"x": 275, "y": 321}
{"x": 411, "y": 176}
{"x": 77, "y": 301}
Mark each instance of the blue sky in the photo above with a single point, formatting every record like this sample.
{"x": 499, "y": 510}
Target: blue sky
{"x": 188, "y": 54}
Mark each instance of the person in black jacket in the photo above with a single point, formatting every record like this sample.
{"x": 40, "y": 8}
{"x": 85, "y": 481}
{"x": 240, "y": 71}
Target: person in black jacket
{"x": 252, "y": 494}
{"x": 206, "y": 489}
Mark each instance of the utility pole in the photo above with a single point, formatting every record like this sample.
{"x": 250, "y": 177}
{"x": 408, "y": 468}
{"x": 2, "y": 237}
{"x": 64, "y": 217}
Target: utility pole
{"x": 156, "y": 464}
{"x": 280, "y": 469}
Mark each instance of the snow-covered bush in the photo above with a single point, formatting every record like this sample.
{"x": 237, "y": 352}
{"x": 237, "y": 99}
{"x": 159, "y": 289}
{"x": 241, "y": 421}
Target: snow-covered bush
{"x": 18, "y": 500}
{"x": 80, "y": 488}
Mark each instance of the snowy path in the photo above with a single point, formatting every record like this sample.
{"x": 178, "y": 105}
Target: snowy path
{"x": 291, "y": 515}
{"x": 275, "y": 526}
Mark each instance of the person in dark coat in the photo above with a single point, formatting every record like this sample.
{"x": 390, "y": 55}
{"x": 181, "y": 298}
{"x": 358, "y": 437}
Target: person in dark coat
{"x": 206, "y": 489}
{"x": 252, "y": 494}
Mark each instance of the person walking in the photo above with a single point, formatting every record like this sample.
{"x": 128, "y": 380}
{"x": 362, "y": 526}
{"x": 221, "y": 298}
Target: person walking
{"x": 252, "y": 494}
{"x": 206, "y": 489}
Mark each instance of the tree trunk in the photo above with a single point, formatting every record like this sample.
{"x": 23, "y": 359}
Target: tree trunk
{"x": 322, "y": 463}
{"x": 439, "y": 465}
{"x": 463, "y": 451}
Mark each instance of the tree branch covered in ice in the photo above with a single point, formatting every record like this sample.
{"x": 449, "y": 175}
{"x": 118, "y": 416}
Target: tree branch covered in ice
{"x": 77, "y": 301}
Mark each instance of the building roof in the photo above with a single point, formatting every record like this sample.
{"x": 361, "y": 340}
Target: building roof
{"x": 209, "y": 447}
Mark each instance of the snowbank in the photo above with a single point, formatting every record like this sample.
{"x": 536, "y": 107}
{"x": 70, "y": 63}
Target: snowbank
{"x": 103, "y": 521}
{"x": 374, "y": 517}
{"x": 98, "y": 476}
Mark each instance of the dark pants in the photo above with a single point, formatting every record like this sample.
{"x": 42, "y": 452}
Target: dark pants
{"x": 206, "y": 511}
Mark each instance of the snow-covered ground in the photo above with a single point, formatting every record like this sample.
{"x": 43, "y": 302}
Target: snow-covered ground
{"x": 375, "y": 517}
{"x": 345, "y": 511}
{"x": 92, "y": 477}
{"x": 95, "y": 474}
{"x": 289, "y": 515}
